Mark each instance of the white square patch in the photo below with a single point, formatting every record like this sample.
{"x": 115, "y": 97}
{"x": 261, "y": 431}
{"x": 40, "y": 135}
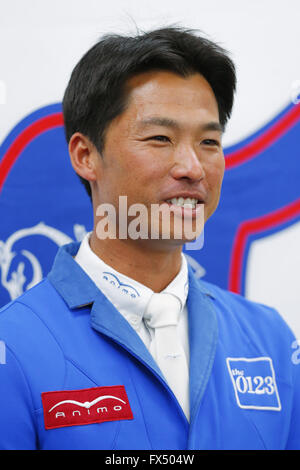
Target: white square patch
{"x": 254, "y": 383}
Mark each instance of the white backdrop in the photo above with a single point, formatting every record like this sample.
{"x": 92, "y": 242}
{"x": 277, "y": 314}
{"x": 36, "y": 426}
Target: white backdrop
{"x": 42, "y": 40}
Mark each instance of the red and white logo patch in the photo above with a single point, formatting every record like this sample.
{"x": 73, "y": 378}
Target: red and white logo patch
{"x": 86, "y": 406}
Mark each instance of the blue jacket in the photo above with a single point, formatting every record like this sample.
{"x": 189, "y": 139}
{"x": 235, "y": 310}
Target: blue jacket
{"x": 65, "y": 335}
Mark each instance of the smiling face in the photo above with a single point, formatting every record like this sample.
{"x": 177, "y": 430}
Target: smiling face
{"x": 165, "y": 145}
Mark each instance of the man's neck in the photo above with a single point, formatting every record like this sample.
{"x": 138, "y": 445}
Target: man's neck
{"x": 150, "y": 264}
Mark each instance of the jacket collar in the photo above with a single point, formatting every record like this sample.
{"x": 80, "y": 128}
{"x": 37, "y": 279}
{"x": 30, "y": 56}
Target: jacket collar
{"x": 66, "y": 275}
{"x": 203, "y": 338}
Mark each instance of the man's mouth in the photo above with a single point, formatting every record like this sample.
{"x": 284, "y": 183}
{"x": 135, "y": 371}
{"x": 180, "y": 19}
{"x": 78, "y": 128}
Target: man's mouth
{"x": 185, "y": 202}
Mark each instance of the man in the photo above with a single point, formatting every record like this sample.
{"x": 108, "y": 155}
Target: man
{"x": 121, "y": 347}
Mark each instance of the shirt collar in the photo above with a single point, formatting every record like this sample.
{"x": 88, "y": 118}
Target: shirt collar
{"x": 129, "y": 296}
{"x": 66, "y": 275}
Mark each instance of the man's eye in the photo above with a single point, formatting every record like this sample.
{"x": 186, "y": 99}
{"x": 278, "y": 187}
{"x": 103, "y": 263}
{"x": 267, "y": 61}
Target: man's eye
{"x": 210, "y": 142}
{"x": 160, "y": 138}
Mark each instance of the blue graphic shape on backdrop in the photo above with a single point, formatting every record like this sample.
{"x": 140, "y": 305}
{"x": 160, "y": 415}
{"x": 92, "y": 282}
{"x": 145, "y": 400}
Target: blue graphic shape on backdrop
{"x": 43, "y": 205}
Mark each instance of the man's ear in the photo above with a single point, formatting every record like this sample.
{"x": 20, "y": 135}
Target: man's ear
{"x": 84, "y": 156}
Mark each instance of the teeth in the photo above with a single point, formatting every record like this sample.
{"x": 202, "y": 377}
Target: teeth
{"x": 184, "y": 202}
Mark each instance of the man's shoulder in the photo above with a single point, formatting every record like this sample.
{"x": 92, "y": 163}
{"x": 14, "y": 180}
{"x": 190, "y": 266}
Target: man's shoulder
{"x": 248, "y": 313}
{"x": 32, "y": 344}
{"x": 26, "y": 318}
{"x": 232, "y": 298}
{"x": 30, "y": 301}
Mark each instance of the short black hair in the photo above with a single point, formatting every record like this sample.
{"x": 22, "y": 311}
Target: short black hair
{"x": 95, "y": 94}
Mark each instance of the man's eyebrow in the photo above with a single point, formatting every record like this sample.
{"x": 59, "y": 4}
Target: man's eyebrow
{"x": 159, "y": 121}
{"x": 212, "y": 126}
{"x": 167, "y": 122}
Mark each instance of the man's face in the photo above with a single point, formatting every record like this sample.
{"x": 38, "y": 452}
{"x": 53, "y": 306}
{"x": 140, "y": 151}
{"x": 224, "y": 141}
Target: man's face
{"x": 166, "y": 144}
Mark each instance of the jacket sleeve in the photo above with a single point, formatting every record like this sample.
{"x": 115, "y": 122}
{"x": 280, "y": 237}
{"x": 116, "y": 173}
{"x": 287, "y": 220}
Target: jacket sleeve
{"x": 17, "y": 430}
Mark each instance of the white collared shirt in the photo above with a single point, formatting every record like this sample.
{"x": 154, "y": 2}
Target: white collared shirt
{"x": 130, "y": 297}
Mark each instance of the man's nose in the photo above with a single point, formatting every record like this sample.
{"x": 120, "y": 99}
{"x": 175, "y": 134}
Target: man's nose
{"x": 188, "y": 165}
